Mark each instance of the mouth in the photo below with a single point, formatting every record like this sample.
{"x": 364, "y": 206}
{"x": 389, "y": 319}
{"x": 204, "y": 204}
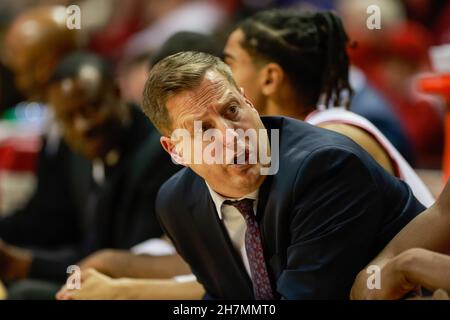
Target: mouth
{"x": 241, "y": 160}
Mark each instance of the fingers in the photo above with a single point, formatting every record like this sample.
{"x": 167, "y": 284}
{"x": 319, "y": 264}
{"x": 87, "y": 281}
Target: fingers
{"x": 86, "y": 274}
{"x": 440, "y": 294}
{"x": 70, "y": 294}
{"x": 63, "y": 294}
{"x": 92, "y": 287}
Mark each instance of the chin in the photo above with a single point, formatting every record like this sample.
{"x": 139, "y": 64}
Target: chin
{"x": 245, "y": 170}
{"x": 92, "y": 152}
{"x": 245, "y": 177}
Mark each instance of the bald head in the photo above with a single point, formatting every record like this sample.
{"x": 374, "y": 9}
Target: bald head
{"x": 35, "y": 42}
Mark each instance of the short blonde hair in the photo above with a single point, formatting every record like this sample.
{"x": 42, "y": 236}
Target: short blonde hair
{"x": 178, "y": 72}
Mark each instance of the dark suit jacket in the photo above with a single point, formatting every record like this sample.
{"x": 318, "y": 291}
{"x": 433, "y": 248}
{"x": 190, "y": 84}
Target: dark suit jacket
{"x": 326, "y": 213}
{"x": 56, "y": 224}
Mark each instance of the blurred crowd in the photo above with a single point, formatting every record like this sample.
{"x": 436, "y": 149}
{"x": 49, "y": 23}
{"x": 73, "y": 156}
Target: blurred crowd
{"x": 98, "y": 168}
{"x": 391, "y": 58}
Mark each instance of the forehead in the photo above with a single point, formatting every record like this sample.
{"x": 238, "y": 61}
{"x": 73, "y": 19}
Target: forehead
{"x": 24, "y": 38}
{"x": 20, "y": 53}
{"x": 212, "y": 91}
{"x": 73, "y": 93}
{"x": 88, "y": 83}
{"x": 233, "y": 47}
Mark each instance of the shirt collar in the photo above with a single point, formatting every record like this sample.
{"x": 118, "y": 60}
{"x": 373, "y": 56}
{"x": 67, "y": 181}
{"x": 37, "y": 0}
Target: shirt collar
{"x": 219, "y": 200}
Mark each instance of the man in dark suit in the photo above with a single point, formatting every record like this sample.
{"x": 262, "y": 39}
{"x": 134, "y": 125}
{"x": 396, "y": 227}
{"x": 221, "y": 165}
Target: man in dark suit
{"x": 247, "y": 231}
{"x": 112, "y": 173}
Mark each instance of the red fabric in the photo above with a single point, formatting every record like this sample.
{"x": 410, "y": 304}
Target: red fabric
{"x": 18, "y": 154}
{"x": 446, "y": 160}
{"x": 442, "y": 27}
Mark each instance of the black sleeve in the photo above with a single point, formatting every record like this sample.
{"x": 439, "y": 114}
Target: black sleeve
{"x": 49, "y": 216}
{"x": 345, "y": 209}
{"x": 52, "y": 265}
{"x": 139, "y": 221}
{"x": 144, "y": 224}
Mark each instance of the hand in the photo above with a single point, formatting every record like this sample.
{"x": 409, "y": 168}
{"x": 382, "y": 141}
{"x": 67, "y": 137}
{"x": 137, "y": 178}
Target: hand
{"x": 108, "y": 261}
{"x": 94, "y": 286}
{"x": 15, "y": 262}
{"x": 393, "y": 283}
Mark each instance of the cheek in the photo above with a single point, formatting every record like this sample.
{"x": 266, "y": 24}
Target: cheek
{"x": 22, "y": 81}
{"x": 242, "y": 74}
{"x": 251, "y": 86}
{"x": 73, "y": 134}
{"x": 211, "y": 173}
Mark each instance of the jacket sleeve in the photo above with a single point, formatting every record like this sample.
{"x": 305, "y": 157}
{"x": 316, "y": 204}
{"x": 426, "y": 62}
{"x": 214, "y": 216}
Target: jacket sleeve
{"x": 52, "y": 265}
{"x": 49, "y": 215}
{"x": 139, "y": 217}
{"x": 346, "y": 209}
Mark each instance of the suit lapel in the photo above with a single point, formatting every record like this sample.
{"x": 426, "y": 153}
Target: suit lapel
{"x": 217, "y": 240}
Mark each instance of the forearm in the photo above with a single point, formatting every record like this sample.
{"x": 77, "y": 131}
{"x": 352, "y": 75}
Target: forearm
{"x": 163, "y": 289}
{"x": 430, "y": 230}
{"x": 124, "y": 264}
{"x": 155, "y": 267}
{"x": 360, "y": 289}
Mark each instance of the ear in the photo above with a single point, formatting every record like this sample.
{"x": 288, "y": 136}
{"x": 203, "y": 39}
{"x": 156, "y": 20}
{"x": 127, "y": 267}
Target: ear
{"x": 271, "y": 77}
{"x": 171, "y": 149}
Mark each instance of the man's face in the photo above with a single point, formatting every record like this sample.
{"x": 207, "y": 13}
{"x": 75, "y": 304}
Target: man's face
{"x": 245, "y": 72}
{"x": 90, "y": 115}
{"x": 220, "y": 106}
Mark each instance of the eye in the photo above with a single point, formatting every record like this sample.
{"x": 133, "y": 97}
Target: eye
{"x": 232, "y": 110}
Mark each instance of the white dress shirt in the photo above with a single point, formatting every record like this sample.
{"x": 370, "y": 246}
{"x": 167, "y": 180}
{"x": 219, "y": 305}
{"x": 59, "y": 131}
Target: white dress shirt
{"x": 234, "y": 221}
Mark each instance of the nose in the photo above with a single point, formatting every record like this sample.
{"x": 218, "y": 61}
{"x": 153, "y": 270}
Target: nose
{"x": 227, "y": 132}
{"x": 81, "y": 124}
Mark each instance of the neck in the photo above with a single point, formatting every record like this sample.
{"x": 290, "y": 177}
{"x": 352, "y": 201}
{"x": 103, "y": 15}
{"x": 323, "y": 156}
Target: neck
{"x": 233, "y": 193}
{"x": 288, "y": 108}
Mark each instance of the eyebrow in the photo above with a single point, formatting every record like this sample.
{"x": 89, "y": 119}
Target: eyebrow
{"x": 189, "y": 120}
{"x": 230, "y": 99}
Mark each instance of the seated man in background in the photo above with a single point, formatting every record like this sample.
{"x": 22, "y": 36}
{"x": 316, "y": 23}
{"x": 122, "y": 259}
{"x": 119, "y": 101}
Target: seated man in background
{"x": 110, "y": 264}
{"x": 115, "y": 167}
{"x": 32, "y": 57}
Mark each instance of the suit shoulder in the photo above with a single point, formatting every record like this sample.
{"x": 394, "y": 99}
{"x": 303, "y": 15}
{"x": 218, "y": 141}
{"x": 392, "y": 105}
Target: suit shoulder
{"x": 299, "y": 141}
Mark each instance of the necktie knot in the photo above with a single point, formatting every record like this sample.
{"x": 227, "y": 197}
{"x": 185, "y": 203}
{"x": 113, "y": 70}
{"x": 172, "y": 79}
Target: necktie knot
{"x": 244, "y": 206}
